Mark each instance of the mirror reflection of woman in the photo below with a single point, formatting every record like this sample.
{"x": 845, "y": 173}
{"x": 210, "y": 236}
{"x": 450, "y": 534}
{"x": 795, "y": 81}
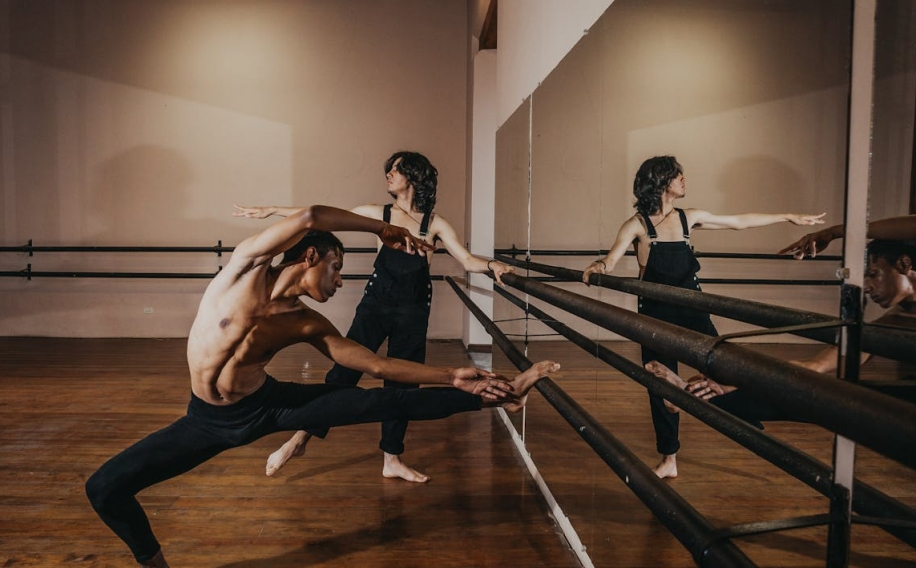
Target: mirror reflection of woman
{"x": 660, "y": 234}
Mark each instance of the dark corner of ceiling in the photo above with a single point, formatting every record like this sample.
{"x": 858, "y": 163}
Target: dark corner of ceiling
{"x": 488, "y": 32}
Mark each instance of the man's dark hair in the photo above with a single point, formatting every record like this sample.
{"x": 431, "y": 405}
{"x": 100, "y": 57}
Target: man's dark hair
{"x": 323, "y": 241}
{"x": 652, "y": 179}
{"x": 421, "y": 174}
{"x": 890, "y": 250}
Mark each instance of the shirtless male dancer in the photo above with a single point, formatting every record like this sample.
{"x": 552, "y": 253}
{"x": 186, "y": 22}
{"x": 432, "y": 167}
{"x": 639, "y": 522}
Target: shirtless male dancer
{"x": 660, "y": 233}
{"x": 251, "y": 310}
{"x": 396, "y": 302}
{"x": 890, "y": 282}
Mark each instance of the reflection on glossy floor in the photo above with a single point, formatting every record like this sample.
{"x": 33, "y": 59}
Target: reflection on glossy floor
{"x": 69, "y": 404}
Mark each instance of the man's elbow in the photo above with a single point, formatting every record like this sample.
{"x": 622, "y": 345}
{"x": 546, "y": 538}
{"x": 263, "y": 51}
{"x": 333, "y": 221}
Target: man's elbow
{"x": 378, "y": 369}
{"x": 306, "y": 217}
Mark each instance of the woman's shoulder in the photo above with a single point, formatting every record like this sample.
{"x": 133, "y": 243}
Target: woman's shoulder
{"x": 635, "y": 224}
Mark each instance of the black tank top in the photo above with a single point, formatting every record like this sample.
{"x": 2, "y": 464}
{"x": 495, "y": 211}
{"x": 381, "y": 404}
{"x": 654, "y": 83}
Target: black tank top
{"x": 398, "y": 278}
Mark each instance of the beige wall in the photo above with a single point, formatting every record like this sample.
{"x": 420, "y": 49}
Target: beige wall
{"x": 141, "y": 123}
{"x": 894, "y": 106}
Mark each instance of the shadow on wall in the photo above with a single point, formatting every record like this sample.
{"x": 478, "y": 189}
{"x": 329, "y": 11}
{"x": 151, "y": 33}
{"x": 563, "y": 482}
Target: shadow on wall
{"x": 139, "y": 198}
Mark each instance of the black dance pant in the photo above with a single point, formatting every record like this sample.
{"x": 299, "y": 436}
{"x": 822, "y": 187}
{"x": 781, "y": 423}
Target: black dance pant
{"x": 667, "y": 423}
{"x": 751, "y": 409}
{"x": 405, "y": 329}
{"x": 207, "y": 430}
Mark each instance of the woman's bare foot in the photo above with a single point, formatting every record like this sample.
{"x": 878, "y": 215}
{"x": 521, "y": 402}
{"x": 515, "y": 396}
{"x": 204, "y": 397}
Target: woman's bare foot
{"x": 667, "y": 467}
{"x": 157, "y": 561}
{"x": 293, "y": 447}
{"x": 522, "y": 383}
{"x": 664, "y": 372}
{"x": 394, "y": 468}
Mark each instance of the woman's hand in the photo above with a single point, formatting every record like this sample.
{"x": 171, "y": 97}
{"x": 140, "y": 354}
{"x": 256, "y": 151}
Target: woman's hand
{"x": 252, "y": 212}
{"x": 597, "y": 267}
{"x": 498, "y": 268}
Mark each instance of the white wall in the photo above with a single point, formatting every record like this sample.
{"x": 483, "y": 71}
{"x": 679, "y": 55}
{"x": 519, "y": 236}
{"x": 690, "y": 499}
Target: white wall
{"x": 534, "y": 35}
{"x": 483, "y": 188}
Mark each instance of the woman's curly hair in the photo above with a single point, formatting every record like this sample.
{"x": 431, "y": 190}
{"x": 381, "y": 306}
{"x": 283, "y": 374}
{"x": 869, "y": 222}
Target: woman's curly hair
{"x": 421, "y": 174}
{"x": 652, "y": 179}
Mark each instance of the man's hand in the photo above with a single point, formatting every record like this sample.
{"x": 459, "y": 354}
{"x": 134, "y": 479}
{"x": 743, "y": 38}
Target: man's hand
{"x": 810, "y": 244}
{"x": 400, "y": 238}
{"x": 706, "y": 388}
{"x": 482, "y": 383}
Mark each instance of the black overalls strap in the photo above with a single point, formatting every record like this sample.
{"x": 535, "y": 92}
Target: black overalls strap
{"x": 650, "y": 228}
{"x": 686, "y": 229}
{"x": 424, "y": 225}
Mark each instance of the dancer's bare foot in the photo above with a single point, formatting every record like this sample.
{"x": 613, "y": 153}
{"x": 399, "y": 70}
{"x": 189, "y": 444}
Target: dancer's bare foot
{"x": 667, "y": 467}
{"x": 157, "y": 561}
{"x": 293, "y": 447}
{"x": 394, "y": 468}
{"x": 522, "y": 383}
{"x": 664, "y": 372}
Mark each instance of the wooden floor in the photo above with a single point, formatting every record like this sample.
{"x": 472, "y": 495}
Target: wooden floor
{"x": 67, "y": 405}
{"x": 723, "y": 481}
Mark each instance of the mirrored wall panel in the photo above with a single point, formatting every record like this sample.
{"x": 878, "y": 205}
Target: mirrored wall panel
{"x": 751, "y": 98}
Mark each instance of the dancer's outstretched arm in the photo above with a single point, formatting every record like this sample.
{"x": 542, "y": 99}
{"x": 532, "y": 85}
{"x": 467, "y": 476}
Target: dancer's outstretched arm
{"x": 325, "y": 337}
{"x": 705, "y": 220}
{"x": 893, "y": 228}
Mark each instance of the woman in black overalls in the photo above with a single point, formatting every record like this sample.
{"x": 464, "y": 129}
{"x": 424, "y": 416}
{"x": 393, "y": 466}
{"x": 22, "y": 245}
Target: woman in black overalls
{"x": 397, "y": 298}
{"x": 661, "y": 235}
{"x": 674, "y": 264}
{"x": 395, "y": 306}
